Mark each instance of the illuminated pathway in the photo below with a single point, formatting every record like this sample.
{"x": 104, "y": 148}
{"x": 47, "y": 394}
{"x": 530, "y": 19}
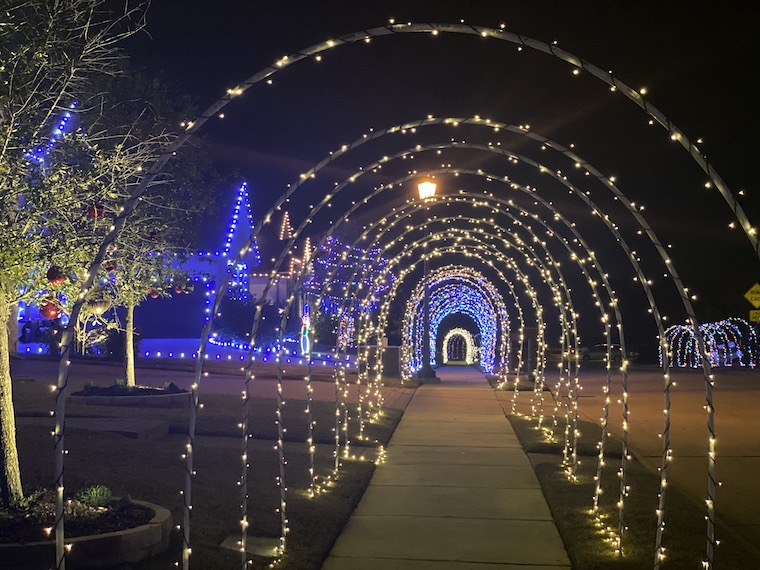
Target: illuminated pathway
{"x": 457, "y": 490}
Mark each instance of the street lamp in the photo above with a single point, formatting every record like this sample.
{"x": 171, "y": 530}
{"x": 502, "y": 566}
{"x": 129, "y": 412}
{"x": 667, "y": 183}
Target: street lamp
{"x": 426, "y": 374}
{"x": 426, "y": 189}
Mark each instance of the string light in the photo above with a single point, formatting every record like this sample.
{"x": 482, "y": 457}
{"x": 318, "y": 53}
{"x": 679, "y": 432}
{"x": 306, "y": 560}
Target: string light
{"x": 730, "y": 342}
{"x": 459, "y": 345}
{"x": 409, "y": 27}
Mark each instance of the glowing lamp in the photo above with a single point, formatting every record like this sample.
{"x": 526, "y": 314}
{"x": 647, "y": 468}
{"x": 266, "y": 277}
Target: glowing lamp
{"x": 426, "y": 189}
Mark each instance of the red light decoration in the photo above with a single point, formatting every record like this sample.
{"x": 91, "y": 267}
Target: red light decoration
{"x": 50, "y": 310}
{"x": 96, "y": 211}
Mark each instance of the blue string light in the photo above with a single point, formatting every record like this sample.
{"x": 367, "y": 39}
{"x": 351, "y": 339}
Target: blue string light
{"x": 453, "y": 292}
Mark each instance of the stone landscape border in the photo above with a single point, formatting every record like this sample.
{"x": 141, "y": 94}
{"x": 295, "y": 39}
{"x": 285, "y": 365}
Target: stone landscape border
{"x": 98, "y": 550}
{"x": 180, "y": 400}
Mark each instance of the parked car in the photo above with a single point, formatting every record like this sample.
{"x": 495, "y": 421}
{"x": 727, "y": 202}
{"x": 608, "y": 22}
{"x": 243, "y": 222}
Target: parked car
{"x": 598, "y": 353}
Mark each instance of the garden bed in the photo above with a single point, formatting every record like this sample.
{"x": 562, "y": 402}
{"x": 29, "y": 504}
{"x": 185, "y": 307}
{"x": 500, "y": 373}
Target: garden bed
{"x": 120, "y": 395}
{"x": 125, "y": 531}
{"x": 153, "y": 469}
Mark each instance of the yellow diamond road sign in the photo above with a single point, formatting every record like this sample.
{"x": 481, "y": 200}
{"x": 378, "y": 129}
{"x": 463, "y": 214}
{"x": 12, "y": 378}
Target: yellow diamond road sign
{"x": 753, "y": 295}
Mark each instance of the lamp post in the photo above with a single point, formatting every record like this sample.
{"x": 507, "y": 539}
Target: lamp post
{"x": 426, "y": 374}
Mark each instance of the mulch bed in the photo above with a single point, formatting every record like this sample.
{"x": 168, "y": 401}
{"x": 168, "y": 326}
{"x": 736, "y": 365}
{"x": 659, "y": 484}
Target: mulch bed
{"x": 22, "y": 525}
{"x": 121, "y": 390}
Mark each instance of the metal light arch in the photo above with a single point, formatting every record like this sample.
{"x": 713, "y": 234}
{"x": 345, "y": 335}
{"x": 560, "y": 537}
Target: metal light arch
{"x": 687, "y": 304}
{"x": 471, "y": 278}
{"x": 155, "y": 169}
{"x": 327, "y": 198}
{"x": 454, "y": 197}
{"x": 595, "y": 294}
{"x": 412, "y": 176}
{"x": 659, "y": 322}
{"x": 509, "y": 261}
{"x": 374, "y": 243}
{"x": 448, "y": 249}
{"x": 562, "y": 300}
{"x": 352, "y": 300}
{"x": 643, "y": 280}
{"x": 608, "y": 182}
{"x": 530, "y": 293}
{"x": 469, "y": 343}
{"x": 291, "y": 299}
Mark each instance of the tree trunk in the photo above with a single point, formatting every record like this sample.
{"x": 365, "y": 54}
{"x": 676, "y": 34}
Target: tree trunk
{"x": 129, "y": 344}
{"x": 10, "y": 475}
{"x": 13, "y": 329}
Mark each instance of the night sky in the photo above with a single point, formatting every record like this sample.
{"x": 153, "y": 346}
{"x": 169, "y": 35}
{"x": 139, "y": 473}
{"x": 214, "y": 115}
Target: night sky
{"x": 697, "y": 60}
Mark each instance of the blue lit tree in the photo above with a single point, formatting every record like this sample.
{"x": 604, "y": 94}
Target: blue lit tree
{"x": 66, "y": 168}
{"x": 340, "y": 260}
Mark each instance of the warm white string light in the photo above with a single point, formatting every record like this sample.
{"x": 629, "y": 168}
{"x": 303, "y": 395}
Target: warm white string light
{"x": 461, "y": 336}
{"x": 636, "y": 96}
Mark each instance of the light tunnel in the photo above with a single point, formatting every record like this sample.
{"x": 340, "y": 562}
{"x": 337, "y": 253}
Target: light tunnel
{"x": 451, "y": 295}
{"x": 535, "y": 267}
{"x": 459, "y": 346}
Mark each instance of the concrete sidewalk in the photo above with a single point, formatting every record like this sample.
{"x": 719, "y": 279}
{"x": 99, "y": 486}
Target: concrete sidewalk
{"x": 457, "y": 491}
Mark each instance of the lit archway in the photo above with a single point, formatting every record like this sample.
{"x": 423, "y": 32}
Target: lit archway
{"x": 579, "y": 64}
{"x": 458, "y": 345}
{"x": 457, "y": 289}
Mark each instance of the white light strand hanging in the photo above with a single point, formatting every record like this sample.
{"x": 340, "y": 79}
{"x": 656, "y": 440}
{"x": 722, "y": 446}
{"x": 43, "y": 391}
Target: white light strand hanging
{"x": 468, "y": 351}
{"x": 499, "y": 34}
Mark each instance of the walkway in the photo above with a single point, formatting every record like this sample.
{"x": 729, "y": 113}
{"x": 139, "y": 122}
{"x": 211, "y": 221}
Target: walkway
{"x": 457, "y": 491}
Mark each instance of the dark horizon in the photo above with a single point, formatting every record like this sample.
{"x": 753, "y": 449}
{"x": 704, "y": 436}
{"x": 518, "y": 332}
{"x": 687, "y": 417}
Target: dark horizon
{"x": 691, "y": 58}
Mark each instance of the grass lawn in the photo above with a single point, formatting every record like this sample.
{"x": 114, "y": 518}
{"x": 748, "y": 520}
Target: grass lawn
{"x": 152, "y": 470}
{"x": 291, "y": 371}
{"x": 570, "y": 503}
